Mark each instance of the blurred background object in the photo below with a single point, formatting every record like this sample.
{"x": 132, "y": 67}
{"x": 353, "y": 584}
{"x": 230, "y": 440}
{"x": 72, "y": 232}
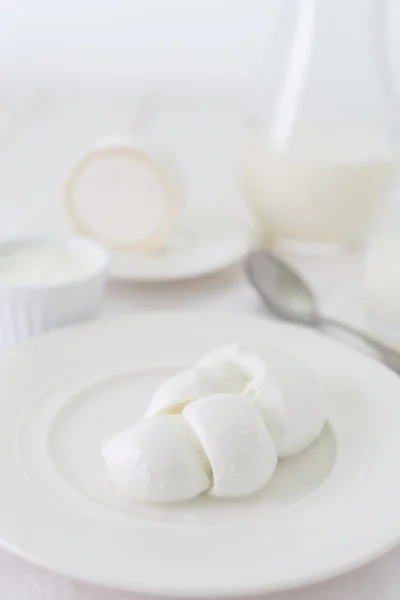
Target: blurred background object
{"x": 207, "y": 58}
{"x": 74, "y": 72}
{"x": 46, "y": 284}
{"x": 323, "y": 151}
{"x": 382, "y": 275}
{"x": 124, "y": 190}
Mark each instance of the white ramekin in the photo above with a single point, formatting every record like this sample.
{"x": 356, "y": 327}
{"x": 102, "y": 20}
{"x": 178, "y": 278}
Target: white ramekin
{"x": 28, "y": 310}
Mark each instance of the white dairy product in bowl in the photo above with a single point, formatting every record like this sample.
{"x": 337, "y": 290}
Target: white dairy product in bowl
{"x": 218, "y": 427}
{"x": 46, "y": 283}
{"x": 39, "y": 262}
{"x": 325, "y": 186}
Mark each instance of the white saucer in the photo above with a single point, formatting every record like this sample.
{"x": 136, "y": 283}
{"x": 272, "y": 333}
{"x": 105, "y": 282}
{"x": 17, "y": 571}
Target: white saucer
{"x": 329, "y": 510}
{"x": 204, "y": 242}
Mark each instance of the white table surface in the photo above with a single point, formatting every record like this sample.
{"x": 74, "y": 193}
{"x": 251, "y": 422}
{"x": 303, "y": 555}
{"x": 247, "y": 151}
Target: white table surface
{"x": 337, "y": 282}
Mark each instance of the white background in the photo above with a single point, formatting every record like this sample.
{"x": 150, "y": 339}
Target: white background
{"x": 156, "y": 40}
{"x": 92, "y": 56}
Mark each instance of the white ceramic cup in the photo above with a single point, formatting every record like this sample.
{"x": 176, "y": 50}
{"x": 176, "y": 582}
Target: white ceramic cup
{"x": 30, "y": 308}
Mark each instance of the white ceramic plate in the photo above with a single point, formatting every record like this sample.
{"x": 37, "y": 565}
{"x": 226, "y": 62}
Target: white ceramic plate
{"x": 203, "y": 243}
{"x": 326, "y": 511}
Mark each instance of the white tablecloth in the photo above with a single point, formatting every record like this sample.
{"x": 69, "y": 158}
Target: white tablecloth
{"x": 337, "y": 282}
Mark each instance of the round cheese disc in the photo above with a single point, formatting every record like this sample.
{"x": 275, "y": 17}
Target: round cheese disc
{"x": 123, "y": 195}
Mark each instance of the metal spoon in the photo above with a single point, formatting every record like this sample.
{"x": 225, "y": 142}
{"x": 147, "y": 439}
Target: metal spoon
{"x": 288, "y": 297}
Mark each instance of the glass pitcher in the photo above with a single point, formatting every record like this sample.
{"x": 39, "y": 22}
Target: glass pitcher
{"x": 321, "y": 155}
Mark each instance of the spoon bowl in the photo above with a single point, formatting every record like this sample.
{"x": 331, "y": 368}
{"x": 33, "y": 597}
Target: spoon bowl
{"x": 285, "y": 293}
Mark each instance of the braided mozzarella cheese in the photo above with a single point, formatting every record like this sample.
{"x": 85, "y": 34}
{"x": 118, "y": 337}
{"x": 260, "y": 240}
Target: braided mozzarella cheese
{"x": 236, "y": 441}
{"x": 298, "y": 397}
{"x": 218, "y": 427}
{"x": 230, "y": 369}
{"x": 159, "y": 460}
{"x": 218, "y": 443}
{"x": 285, "y": 391}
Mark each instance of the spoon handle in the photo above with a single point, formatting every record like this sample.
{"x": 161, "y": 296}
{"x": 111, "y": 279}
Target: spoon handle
{"x": 389, "y": 356}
